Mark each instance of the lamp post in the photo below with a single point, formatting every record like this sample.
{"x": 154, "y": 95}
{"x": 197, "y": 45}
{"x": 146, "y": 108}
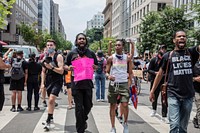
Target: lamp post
{"x": 98, "y": 37}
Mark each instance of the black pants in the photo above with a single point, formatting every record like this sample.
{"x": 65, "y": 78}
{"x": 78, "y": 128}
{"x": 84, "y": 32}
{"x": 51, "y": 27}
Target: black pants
{"x": 33, "y": 86}
{"x": 83, "y": 105}
{"x": 2, "y": 97}
{"x": 154, "y": 104}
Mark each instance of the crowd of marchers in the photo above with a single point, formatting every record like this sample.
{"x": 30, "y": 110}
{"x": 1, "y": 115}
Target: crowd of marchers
{"x": 175, "y": 74}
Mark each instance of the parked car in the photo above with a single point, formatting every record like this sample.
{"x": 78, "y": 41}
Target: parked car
{"x": 26, "y": 50}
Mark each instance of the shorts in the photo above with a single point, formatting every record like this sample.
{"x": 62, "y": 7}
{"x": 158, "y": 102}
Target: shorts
{"x": 17, "y": 85}
{"x": 53, "y": 89}
{"x": 122, "y": 91}
{"x": 68, "y": 85}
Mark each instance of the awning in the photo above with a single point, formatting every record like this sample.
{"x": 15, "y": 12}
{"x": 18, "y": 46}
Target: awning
{"x": 3, "y": 43}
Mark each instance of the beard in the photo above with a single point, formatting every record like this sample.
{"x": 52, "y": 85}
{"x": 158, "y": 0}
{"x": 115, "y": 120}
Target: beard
{"x": 181, "y": 45}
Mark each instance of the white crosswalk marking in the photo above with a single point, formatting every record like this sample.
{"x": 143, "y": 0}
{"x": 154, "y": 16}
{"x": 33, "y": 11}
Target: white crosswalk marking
{"x": 6, "y": 116}
{"x": 59, "y": 120}
{"x": 102, "y": 119}
{"x": 155, "y": 122}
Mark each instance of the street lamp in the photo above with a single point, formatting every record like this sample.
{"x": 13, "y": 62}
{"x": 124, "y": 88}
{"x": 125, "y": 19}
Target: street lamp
{"x": 98, "y": 37}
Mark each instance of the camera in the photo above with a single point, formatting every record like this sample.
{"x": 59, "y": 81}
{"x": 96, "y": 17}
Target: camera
{"x": 48, "y": 60}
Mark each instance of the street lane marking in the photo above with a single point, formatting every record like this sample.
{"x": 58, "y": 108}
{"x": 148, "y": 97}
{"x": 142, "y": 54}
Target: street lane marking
{"x": 155, "y": 122}
{"x": 102, "y": 119}
{"x": 59, "y": 120}
{"x": 6, "y": 116}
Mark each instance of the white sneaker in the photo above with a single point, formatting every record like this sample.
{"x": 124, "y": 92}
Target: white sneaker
{"x": 165, "y": 120}
{"x": 113, "y": 130}
{"x": 153, "y": 113}
{"x": 125, "y": 128}
{"x": 98, "y": 100}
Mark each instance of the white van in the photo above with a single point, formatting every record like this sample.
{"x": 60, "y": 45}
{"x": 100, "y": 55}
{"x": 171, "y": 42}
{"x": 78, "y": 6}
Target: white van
{"x": 26, "y": 50}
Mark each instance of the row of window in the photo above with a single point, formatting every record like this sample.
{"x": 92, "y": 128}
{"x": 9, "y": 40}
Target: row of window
{"x": 137, "y": 3}
{"x": 26, "y": 9}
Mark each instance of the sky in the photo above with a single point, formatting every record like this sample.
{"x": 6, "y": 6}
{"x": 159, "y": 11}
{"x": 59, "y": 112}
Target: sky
{"x": 75, "y": 14}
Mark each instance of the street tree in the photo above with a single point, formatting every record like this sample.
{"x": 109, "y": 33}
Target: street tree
{"x": 94, "y": 34}
{"x": 5, "y": 7}
{"x": 104, "y": 44}
{"x": 158, "y": 28}
{"x": 61, "y": 43}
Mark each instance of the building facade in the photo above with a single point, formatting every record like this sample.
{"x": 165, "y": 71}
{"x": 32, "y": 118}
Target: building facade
{"x": 44, "y": 15}
{"x": 107, "y": 19}
{"x": 25, "y": 11}
{"x": 96, "y": 22}
{"x": 140, "y": 8}
{"x": 116, "y": 18}
{"x": 189, "y": 5}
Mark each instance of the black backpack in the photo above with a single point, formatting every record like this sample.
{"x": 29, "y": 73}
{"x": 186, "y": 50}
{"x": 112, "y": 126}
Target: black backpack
{"x": 100, "y": 66}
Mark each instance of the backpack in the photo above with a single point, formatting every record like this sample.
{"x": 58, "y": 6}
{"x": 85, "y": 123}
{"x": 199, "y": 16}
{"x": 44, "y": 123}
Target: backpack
{"x": 17, "y": 71}
{"x": 100, "y": 66}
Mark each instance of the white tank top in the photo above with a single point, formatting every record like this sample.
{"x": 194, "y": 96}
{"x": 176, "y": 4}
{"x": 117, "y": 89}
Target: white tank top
{"x": 119, "y": 69}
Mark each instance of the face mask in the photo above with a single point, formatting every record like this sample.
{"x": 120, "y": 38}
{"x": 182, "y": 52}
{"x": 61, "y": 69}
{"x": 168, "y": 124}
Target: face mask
{"x": 51, "y": 50}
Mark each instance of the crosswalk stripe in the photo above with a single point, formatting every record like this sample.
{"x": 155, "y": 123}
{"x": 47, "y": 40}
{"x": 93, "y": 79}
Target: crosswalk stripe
{"x": 144, "y": 111}
{"x": 102, "y": 119}
{"x": 59, "y": 120}
{"x": 6, "y": 116}
{"x": 100, "y": 115}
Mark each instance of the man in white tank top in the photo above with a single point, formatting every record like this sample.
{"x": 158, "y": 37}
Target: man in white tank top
{"x": 118, "y": 69}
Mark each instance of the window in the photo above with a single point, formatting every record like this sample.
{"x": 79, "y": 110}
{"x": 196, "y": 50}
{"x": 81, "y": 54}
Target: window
{"x": 161, "y": 6}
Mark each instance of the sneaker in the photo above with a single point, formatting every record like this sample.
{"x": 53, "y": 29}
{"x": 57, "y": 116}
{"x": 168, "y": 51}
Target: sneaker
{"x": 98, "y": 100}
{"x": 36, "y": 108}
{"x": 13, "y": 109}
{"x": 44, "y": 103}
{"x": 19, "y": 109}
{"x": 195, "y": 122}
{"x": 113, "y": 130}
{"x": 165, "y": 120}
{"x": 102, "y": 100}
{"x": 56, "y": 104}
{"x": 51, "y": 120}
{"x": 28, "y": 109}
{"x": 125, "y": 128}
{"x": 153, "y": 113}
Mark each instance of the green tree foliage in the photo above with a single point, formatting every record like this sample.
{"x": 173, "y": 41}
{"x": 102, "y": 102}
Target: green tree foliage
{"x": 94, "y": 34}
{"x": 5, "y": 7}
{"x": 104, "y": 45}
{"x": 28, "y": 33}
{"x": 158, "y": 28}
{"x": 195, "y": 33}
{"x": 39, "y": 38}
{"x": 62, "y": 44}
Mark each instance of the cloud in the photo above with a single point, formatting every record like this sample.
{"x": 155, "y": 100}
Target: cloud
{"x": 75, "y": 14}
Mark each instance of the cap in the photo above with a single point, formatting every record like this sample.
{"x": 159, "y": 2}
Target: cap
{"x": 100, "y": 53}
{"x": 162, "y": 46}
{"x": 19, "y": 52}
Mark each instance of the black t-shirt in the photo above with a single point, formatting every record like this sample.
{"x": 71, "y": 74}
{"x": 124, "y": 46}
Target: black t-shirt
{"x": 154, "y": 66}
{"x": 34, "y": 69}
{"x": 84, "y": 84}
{"x": 196, "y": 72}
{"x": 180, "y": 72}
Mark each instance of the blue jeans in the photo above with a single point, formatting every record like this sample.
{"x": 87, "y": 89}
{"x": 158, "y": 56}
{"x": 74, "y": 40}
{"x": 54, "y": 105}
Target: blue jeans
{"x": 179, "y": 114}
{"x": 100, "y": 85}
